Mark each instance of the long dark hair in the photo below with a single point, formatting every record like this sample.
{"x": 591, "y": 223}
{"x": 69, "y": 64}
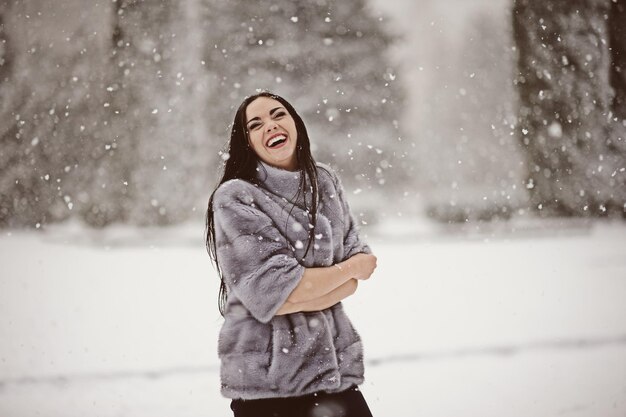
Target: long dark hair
{"x": 242, "y": 163}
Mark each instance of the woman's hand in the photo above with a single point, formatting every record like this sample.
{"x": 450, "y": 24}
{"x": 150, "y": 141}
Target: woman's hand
{"x": 360, "y": 266}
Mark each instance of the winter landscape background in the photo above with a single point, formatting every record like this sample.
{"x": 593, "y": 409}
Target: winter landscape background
{"x": 482, "y": 144}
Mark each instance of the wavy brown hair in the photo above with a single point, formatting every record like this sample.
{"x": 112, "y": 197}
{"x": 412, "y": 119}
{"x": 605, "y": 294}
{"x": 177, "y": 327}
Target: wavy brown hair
{"x": 242, "y": 163}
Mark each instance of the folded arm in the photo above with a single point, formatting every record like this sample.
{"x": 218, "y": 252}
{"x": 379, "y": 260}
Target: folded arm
{"x": 325, "y": 301}
{"x": 318, "y": 282}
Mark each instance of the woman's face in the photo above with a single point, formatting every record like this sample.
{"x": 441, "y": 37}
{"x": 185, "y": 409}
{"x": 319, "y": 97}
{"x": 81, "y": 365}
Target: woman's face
{"x": 272, "y": 133}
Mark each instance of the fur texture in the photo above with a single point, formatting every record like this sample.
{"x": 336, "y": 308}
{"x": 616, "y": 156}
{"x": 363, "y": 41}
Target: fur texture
{"x": 261, "y": 236}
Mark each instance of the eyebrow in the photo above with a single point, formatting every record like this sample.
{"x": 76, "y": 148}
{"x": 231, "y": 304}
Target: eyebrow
{"x": 271, "y": 113}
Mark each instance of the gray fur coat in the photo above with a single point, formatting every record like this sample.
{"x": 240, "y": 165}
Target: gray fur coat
{"x": 261, "y": 236}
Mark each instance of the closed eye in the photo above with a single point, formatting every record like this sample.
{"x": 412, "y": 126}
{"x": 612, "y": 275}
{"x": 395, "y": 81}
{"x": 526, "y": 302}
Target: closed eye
{"x": 275, "y": 113}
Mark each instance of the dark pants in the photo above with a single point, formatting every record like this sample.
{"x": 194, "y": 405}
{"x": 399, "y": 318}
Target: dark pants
{"x": 348, "y": 403}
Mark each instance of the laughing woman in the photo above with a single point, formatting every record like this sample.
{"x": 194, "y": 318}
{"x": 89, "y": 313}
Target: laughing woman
{"x": 287, "y": 249}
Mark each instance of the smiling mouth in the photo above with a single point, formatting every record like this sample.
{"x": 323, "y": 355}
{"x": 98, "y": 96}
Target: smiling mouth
{"x": 276, "y": 140}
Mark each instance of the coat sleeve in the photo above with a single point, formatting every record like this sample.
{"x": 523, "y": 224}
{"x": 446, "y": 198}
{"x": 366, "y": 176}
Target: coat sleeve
{"x": 256, "y": 261}
{"x": 352, "y": 243}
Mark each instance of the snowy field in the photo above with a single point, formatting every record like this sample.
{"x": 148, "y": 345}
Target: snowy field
{"x": 510, "y": 320}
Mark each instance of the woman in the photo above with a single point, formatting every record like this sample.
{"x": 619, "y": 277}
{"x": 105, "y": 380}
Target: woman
{"x": 287, "y": 250}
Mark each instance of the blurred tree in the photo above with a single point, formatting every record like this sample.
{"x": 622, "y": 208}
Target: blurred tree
{"x": 573, "y": 139}
{"x": 151, "y": 119}
{"x": 6, "y": 52}
{"x": 329, "y": 59}
{"x": 44, "y": 100}
{"x": 110, "y": 157}
{"x": 617, "y": 44}
{"x": 7, "y": 120}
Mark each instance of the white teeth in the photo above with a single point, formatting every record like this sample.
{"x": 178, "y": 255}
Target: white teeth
{"x": 276, "y": 139}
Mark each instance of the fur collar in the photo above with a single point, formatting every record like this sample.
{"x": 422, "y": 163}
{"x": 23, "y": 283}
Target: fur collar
{"x": 283, "y": 182}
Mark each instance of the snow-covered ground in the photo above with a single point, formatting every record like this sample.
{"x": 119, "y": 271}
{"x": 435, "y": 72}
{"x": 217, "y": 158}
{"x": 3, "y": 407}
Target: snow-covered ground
{"x": 525, "y": 319}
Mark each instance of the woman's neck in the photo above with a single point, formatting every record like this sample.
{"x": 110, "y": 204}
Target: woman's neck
{"x": 281, "y": 181}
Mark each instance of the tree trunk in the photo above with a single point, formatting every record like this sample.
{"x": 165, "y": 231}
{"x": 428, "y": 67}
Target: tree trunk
{"x": 5, "y": 45}
{"x": 617, "y": 43}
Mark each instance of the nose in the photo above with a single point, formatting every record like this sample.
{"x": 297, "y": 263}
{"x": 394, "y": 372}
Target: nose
{"x": 271, "y": 126}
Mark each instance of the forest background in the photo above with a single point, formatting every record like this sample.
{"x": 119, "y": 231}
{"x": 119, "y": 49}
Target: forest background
{"x": 119, "y": 112}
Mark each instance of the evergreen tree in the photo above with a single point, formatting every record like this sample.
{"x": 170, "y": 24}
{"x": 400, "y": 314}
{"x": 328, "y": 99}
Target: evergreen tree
{"x": 154, "y": 117}
{"x": 7, "y": 127}
{"x": 6, "y": 52}
{"x": 329, "y": 59}
{"x": 576, "y": 155}
{"x": 617, "y": 44}
{"x": 44, "y": 100}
